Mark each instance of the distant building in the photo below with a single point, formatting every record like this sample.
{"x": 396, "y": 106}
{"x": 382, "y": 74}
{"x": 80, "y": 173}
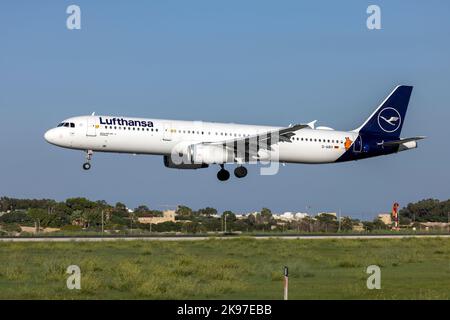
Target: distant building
{"x": 358, "y": 227}
{"x": 385, "y": 218}
{"x": 301, "y": 215}
{"x": 168, "y": 216}
{"x": 290, "y": 216}
{"x": 287, "y": 216}
{"x": 435, "y": 225}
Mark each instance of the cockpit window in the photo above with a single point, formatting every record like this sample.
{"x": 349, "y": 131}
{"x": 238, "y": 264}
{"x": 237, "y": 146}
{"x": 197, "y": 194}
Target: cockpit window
{"x": 66, "y": 124}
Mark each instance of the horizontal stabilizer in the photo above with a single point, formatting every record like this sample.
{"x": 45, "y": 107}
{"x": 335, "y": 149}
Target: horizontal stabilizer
{"x": 401, "y": 141}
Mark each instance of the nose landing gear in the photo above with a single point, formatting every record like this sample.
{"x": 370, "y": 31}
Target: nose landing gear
{"x": 87, "y": 164}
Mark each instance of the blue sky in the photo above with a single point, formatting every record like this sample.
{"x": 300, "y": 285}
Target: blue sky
{"x": 256, "y": 62}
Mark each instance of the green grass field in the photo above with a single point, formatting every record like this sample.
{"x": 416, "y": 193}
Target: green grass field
{"x": 227, "y": 269}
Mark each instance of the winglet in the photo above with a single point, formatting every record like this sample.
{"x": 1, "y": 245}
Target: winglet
{"x": 312, "y": 124}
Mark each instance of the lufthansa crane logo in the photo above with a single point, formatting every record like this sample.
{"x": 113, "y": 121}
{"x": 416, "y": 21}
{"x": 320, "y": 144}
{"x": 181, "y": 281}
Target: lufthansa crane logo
{"x": 389, "y": 119}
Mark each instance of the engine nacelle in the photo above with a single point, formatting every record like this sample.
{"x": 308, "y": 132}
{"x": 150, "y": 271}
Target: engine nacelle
{"x": 168, "y": 162}
{"x": 210, "y": 154}
{"x": 407, "y": 146}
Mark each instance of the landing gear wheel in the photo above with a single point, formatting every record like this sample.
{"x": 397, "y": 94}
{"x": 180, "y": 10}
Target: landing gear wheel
{"x": 86, "y": 166}
{"x": 223, "y": 175}
{"x": 240, "y": 172}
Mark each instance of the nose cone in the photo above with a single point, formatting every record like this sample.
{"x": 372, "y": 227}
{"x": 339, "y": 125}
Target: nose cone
{"x": 50, "y": 136}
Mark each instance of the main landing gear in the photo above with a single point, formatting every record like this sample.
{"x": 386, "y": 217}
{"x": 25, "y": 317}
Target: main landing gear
{"x": 87, "y": 164}
{"x": 224, "y": 175}
{"x": 240, "y": 172}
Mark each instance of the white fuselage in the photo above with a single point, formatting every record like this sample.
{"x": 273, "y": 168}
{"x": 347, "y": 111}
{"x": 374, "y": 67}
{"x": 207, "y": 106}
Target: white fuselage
{"x": 161, "y": 137}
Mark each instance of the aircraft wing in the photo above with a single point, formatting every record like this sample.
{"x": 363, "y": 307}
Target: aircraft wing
{"x": 397, "y": 142}
{"x": 247, "y": 147}
{"x": 266, "y": 138}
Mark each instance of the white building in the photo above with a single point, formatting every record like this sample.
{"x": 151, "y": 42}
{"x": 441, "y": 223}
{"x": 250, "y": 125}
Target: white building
{"x": 290, "y": 216}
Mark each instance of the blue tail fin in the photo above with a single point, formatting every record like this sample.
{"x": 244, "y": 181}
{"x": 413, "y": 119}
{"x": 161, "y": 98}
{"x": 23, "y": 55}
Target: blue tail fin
{"x": 387, "y": 120}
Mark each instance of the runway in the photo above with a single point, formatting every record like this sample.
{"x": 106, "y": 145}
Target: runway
{"x": 200, "y": 238}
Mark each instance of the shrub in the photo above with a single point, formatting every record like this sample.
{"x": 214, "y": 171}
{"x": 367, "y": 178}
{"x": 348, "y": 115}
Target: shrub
{"x": 71, "y": 228}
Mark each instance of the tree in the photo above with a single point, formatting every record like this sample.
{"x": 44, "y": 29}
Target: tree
{"x": 80, "y": 204}
{"x": 19, "y": 217}
{"x": 347, "y": 223}
{"x": 37, "y": 215}
{"x": 120, "y": 206}
{"x": 184, "y": 211}
{"x": 307, "y": 224}
{"x": 427, "y": 210}
{"x": 328, "y": 222}
{"x": 92, "y": 217}
{"x": 266, "y": 215}
{"x": 208, "y": 211}
{"x": 230, "y": 215}
{"x": 141, "y": 209}
{"x": 378, "y": 224}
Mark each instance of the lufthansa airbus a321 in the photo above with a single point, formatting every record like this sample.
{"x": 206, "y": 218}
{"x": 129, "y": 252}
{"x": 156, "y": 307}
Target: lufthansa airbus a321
{"x": 197, "y": 144}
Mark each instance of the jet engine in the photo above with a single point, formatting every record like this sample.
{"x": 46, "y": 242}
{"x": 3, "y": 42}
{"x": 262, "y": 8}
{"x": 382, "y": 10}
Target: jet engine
{"x": 169, "y": 163}
{"x": 211, "y": 154}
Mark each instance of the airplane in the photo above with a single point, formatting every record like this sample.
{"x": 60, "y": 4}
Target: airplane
{"x": 197, "y": 144}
